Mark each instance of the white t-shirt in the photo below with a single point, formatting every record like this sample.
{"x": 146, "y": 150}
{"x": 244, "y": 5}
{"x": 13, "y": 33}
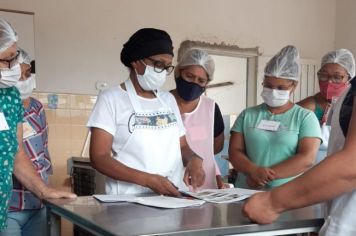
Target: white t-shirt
{"x": 113, "y": 110}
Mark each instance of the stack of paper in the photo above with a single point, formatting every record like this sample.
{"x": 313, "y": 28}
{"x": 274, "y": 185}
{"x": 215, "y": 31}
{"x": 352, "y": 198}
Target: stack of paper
{"x": 155, "y": 201}
{"x": 222, "y": 195}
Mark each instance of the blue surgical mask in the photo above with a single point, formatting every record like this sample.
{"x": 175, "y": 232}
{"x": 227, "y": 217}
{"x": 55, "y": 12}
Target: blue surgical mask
{"x": 187, "y": 90}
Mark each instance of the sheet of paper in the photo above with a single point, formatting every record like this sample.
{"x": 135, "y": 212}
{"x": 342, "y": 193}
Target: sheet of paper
{"x": 222, "y": 195}
{"x": 3, "y": 123}
{"x": 168, "y": 202}
{"x": 115, "y": 198}
{"x": 155, "y": 201}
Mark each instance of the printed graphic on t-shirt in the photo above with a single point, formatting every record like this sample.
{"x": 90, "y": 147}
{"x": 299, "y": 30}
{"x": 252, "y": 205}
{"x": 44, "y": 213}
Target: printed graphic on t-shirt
{"x": 157, "y": 120}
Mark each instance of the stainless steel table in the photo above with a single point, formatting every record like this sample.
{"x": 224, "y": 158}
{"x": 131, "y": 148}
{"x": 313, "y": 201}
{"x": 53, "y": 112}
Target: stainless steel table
{"x": 208, "y": 219}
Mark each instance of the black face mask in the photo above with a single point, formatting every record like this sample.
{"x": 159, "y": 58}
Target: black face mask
{"x": 187, "y": 90}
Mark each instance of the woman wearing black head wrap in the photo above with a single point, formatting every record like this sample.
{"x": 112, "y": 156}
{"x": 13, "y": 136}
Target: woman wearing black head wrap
{"x": 141, "y": 125}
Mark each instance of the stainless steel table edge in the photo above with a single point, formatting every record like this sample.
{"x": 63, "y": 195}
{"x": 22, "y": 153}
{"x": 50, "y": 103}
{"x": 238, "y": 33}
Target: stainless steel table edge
{"x": 268, "y": 229}
{"x": 54, "y": 214}
{"x": 276, "y": 228}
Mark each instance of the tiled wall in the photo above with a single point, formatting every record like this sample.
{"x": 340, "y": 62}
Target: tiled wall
{"x": 67, "y": 134}
{"x": 67, "y": 130}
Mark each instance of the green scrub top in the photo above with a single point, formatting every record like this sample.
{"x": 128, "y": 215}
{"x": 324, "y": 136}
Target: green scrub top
{"x": 268, "y": 148}
{"x": 11, "y": 107}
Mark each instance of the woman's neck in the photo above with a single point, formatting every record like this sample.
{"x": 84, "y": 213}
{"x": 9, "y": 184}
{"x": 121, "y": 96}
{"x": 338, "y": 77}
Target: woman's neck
{"x": 140, "y": 91}
{"x": 26, "y": 102}
{"x": 281, "y": 109}
{"x": 321, "y": 100}
{"x": 185, "y": 106}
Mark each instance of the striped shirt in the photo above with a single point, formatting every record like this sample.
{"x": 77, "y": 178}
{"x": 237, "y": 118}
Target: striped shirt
{"x": 36, "y": 147}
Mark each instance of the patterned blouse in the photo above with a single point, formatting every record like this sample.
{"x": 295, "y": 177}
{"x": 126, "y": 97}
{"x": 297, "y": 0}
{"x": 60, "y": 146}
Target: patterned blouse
{"x": 35, "y": 143}
{"x": 10, "y": 108}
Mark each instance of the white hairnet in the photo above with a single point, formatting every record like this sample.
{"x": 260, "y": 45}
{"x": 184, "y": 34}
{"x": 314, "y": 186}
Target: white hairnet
{"x": 343, "y": 57}
{"x": 285, "y": 64}
{"x": 24, "y": 57}
{"x": 197, "y": 57}
{"x": 8, "y": 35}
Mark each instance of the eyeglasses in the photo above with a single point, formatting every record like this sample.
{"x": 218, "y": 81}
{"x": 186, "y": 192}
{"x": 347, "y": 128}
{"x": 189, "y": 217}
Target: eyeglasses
{"x": 335, "y": 78}
{"x": 8, "y": 63}
{"x": 280, "y": 87}
{"x": 159, "y": 66}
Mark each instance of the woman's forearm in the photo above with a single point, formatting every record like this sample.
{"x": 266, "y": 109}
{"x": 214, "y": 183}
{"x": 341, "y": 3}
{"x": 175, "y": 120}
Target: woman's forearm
{"x": 332, "y": 177}
{"x": 112, "y": 168}
{"x": 296, "y": 165}
{"x": 27, "y": 175}
{"x": 301, "y": 161}
{"x": 240, "y": 162}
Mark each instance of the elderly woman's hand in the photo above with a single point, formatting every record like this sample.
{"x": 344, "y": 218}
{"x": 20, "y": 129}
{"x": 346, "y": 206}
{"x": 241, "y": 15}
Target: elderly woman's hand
{"x": 194, "y": 173}
{"x": 50, "y": 192}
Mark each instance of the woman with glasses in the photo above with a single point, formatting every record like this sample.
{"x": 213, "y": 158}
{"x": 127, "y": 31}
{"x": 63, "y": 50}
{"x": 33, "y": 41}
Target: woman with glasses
{"x": 27, "y": 215}
{"x": 277, "y": 140}
{"x": 201, "y": 115}
{"x": 137, "y": 135}
{"x": 13, "y": 158}
{"x": 337, "y": 68}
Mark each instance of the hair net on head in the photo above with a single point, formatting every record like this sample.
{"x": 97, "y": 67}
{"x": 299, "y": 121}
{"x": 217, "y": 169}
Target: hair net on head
{"x": 197, "y": 57}
{"x": 8, "y": 35}
{"x": 285, "y": 64}
{"x": 24, "y": 57}
{"x": 343, "y": 57}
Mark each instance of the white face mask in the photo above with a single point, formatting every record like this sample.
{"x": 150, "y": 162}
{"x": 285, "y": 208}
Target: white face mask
{"x": 275, "y": 97}
{"x": 151, "y": 80}
{"x": 26, "y": 87}
{"x": 9, "y": 77}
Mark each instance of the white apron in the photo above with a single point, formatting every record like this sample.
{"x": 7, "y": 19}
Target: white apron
{"x": 325, "y": 134}
{"x": 153, "y": 146}
{"x": 340, "y": 218}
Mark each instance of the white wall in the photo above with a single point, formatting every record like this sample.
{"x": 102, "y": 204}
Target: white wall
{"x": 79, "y": 42}
{"x": 346, "y": 25}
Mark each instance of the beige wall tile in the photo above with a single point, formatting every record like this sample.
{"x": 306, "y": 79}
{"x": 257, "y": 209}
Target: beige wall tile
{"x": 60, "y": 148}
{"x": 63, "y": 101}
{"x": 60, "y": 131}
{"x": 51, "y": 116}
{"x": 42, "y": 97}
{"x": 77, "y": 147}
{"x": 62, "y": 117}
{"x": 34, "y": 95}
{"x": 78, "y": 132}
{"x": 90, "y": 102}
{"x": 67, "y": 133}
{"x": 78, "y": 117}
{"x": 78, "y": 101}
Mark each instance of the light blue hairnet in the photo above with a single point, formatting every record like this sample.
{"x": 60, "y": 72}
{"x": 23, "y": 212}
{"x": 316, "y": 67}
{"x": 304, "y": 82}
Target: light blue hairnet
{"x": 343, "y": 57}
{"x": 197, "y": 57}
{"x": 8, "y": 35}
{"x": 285, "y": 64}
{"x": 24, "y": 57}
